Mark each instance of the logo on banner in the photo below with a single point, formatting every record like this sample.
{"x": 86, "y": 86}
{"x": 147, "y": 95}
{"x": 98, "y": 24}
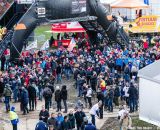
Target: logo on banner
{"x": 78, "y": 6}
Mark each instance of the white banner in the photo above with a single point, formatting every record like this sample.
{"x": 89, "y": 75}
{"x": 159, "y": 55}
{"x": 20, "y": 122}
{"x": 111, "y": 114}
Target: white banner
{"x": 33, "y": 45}
{"x": 45, "y": 45}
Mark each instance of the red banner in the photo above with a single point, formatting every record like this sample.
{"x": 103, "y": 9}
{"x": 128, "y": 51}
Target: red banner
{"x": 67, "y": 27}
{"x": 65, "y": 43}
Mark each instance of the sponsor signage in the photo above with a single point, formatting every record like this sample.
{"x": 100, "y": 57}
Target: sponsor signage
{"x": 78, "y": 6}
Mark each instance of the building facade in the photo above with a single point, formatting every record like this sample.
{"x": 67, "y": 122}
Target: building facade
{"x": 154, "y": 9}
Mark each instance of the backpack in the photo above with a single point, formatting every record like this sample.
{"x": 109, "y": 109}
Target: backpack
{"x": 47, "y": 93}
{"x": 8, "y": 92}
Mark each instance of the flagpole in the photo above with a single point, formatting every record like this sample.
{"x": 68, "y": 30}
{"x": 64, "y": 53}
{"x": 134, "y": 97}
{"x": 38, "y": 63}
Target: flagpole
{"x": 17, "y": 50}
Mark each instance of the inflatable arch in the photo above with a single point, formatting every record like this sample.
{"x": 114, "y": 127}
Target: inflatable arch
{"x": 61, "y": 9}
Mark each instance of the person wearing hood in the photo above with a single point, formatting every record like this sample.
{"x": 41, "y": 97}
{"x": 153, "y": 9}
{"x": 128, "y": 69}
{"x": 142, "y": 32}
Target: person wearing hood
{"x": 7, "y": 94}
{"x": 58, "y": 98}
{"x": 64, "y": 95}
{"x": 24, "y": 100}
{"x": 13, "y": 118}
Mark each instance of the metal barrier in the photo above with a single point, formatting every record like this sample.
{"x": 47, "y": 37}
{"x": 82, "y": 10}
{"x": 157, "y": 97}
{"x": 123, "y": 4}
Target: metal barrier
{"x": 40, "y": 38}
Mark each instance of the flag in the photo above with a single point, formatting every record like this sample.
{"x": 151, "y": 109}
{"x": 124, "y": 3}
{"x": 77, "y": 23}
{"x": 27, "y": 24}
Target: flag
{"x": 71, "y": 45}
{"x": 33, "y": 45}
{"x": 45, "y": 45}
{"x": 146, "y": 2}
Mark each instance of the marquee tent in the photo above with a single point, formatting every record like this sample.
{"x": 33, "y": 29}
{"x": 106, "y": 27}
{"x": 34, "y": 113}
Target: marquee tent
{"x": 149, "y": 93}
{"x": 130, "y": 4}
{"x": 67, "y": 27}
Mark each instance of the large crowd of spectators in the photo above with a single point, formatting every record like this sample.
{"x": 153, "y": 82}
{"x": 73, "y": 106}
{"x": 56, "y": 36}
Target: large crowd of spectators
{"x": 108, "y": 73}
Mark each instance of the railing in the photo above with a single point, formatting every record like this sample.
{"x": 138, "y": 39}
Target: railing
{"x": 123, "y": 36}
{"x": 5, "y": 42}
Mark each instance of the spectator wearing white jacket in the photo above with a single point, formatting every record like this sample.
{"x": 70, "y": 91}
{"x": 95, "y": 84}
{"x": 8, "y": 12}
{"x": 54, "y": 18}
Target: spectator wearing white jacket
{"x": 89, "y": 96}
{"x": 126, "y": 95}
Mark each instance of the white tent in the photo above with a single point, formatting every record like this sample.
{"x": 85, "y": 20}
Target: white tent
{"x": 149, "y": 93}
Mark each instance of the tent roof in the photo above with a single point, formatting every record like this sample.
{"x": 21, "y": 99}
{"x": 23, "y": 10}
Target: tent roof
{"x": 129, "y": 4}
{"x": 151, "y": 72}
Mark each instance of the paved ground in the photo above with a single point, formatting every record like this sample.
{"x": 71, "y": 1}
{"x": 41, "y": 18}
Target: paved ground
{"x": 29, "y": 122}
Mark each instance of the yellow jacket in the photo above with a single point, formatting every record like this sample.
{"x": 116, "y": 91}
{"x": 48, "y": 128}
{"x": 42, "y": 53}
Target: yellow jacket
{"x": 13, "y": 115}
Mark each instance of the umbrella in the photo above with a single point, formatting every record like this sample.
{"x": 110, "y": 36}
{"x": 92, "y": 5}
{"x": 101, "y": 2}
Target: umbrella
{"x": 130, "y": 4}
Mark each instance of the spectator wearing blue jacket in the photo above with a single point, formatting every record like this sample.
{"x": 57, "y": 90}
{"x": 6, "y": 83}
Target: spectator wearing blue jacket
{"x": 119, "y": 64}
{"x": 59, "y": 119}
{"x": 90, "y": 126}
{"x": 41, "y": 125}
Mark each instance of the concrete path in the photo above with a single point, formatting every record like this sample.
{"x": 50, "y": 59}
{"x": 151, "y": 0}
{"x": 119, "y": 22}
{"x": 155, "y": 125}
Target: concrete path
{"x": 29, "y": 121}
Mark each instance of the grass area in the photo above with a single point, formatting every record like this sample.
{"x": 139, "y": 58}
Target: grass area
{"x": 113, "y": 124}
{"x": 41, "y": 30}
{"x": 139, "y": 123}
